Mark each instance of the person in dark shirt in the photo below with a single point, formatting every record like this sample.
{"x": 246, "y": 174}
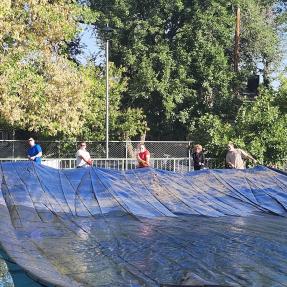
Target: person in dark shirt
{"x": 34, "y": 152}
{"x": 198, "y": 157}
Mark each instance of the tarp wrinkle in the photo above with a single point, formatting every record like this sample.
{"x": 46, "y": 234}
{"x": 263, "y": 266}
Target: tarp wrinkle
{"x": 145, "y": 227}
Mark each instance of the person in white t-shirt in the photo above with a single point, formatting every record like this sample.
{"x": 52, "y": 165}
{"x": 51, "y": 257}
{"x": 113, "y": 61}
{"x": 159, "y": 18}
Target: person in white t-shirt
{"x": 83, "y": 157}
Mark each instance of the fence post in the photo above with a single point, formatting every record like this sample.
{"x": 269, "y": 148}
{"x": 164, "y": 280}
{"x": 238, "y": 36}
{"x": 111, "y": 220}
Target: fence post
{"x": 13, "y": 145}
{"x": 59, "y": 149}
{"x": 126, "y": 161}
{"x": 189, "y": 158}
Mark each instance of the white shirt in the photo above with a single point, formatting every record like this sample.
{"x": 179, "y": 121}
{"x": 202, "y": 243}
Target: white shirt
{"x": 82, "y": 153}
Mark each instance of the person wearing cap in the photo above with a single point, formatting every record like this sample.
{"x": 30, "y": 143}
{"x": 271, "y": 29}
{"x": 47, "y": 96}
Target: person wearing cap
{"x": 83, "y": 158}
{"x": 34, "y": 152}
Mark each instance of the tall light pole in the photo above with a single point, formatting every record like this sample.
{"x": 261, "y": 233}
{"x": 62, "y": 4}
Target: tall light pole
{"x": 107, "y": 30}
{"x": 107, "y": 98}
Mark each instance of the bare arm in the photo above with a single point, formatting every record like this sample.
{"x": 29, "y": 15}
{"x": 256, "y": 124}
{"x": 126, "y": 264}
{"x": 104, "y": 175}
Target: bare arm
{"x": 144, "y": 162}
{"x": 139, "y": 159}
{"x": 230, "y": 164}
{"x": 85, "y": 158}
{"x": 39, "y": 154}
{"x": 147, "y": 159}
{"x": 248, "y": 156}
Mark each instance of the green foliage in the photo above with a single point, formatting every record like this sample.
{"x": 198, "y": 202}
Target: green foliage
{"x": 123, "y": 123}
{"x": 41, "y": 88}
{"x": 172, "y": 71}
{"x": 174, "y": 58}
{"x": 260, "y": 127}
{"x": 42, "y": 96}
{"x": 213, "y": 134}
{"x": 259, "y": 40}
{"x": 263, "y": 128}
{"x": 281, "y": 98}
{"x": 131, "y": 122}
{"x": 178, "y": 56}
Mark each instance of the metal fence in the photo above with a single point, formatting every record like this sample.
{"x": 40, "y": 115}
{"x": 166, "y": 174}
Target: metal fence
{"x": 167, "y": 155}
{"x": 117, "y": 149}
{"x": 181, "y": 165}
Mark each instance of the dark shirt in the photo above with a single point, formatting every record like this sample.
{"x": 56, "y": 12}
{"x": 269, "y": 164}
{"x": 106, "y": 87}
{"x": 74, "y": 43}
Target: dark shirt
{"x": 198, "y": 160}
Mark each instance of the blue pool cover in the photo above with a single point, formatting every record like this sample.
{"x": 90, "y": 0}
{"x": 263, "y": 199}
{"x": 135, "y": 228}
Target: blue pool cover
{"x": 145, "y": 227}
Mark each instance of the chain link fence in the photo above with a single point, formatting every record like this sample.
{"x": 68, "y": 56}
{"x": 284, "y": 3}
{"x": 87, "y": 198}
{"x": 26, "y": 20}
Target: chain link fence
{"x": 117, "y": 149}
{"x": 168, "y": 155}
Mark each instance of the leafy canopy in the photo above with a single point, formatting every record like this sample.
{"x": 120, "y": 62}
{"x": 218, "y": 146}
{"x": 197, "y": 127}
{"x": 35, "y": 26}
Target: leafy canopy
{"x": 42, "y": 88}
{"x": 178, "y": 56}
{"x": 260, "y": 127}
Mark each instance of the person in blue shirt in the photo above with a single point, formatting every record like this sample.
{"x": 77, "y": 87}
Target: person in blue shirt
{"x": 34, "y": 151}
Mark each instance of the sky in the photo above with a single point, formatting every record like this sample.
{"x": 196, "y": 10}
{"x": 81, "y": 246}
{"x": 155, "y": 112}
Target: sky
{"x": 92, "y": 48}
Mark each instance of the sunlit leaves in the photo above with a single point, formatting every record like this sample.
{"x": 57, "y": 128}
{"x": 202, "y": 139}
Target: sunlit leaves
{"x": 260, "y": 127}
{"x": 178, "y": 56}
{"x": 40, "y": 89}
{"x": 47, "y": 97}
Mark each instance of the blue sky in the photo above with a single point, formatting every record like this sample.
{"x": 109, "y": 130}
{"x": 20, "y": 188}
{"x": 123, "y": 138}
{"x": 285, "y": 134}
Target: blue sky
{"x": 92, "y": 48}
{"x": 91, "y": 44}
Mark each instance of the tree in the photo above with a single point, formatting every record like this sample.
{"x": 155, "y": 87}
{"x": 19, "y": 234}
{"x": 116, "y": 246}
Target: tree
{"x": 124, "y": 123}
{"x": 178, "y": 56}
{"x": 42, "y": 88}
{"x": 214, "y": 134}
{"x": 259, "y": 40}
{"x": 260, "y": 127}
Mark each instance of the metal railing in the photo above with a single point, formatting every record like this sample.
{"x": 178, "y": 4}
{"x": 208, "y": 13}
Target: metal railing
{"x": 172, "y": 164}
{"x": 167, "y": 155}
{"x": 181, "y": 165}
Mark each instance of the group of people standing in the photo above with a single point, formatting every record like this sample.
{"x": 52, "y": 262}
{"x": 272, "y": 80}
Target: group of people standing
{"x": 235, "y": 157}
{"x": 83, "y": 158}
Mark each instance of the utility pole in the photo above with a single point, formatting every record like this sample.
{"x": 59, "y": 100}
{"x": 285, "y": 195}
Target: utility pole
{"x": 237, "y": 40}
